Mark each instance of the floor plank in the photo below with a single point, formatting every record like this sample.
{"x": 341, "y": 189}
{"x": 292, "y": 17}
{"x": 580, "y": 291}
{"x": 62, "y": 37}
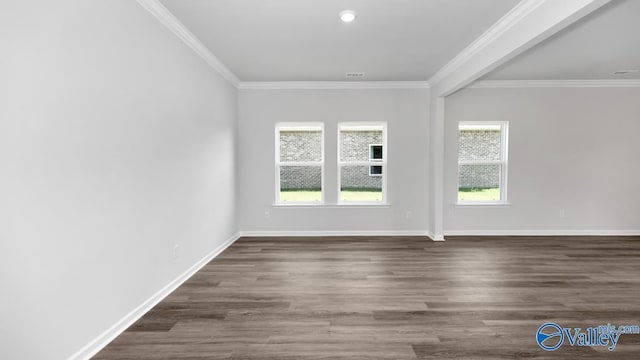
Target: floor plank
{"x": 394, "y": 298}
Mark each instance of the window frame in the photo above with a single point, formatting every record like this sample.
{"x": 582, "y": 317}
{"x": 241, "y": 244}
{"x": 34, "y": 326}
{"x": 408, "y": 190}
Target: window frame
{"x": 378, "y": 162}
{"x": 372, "y": 159}
{"x": 299, "y": 127}
{"x": 503, "y": 162}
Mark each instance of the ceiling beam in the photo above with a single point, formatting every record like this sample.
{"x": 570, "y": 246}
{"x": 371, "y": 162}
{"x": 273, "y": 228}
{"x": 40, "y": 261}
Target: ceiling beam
{"x": 527, "y": 24}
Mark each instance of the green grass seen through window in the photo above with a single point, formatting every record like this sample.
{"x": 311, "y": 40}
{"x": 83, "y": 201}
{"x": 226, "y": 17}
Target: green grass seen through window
{"x": 361, "y": 195}
{"x": 311, "y": 196}
{"x": 300, "y": 196}
{"x": 479, "y": 194}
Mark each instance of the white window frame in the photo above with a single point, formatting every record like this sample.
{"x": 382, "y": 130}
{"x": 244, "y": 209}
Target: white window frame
{"x": 382, "y": 162}
{"x": 375, "y": 160}
{"x": 504, "y": 147}
{"x": 299, "y": 127}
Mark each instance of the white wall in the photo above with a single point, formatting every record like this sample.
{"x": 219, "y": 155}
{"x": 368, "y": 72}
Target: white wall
{"x": 116, "y": 143}
{"x": 405, "y": 111}
{"x": 573, "y": 160}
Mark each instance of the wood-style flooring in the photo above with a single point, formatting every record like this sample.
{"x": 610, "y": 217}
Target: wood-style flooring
{"x": 394, "y": 298}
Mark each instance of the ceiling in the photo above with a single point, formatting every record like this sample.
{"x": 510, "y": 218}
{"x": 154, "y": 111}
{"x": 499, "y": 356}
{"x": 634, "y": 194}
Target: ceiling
{"x": 304, "y": 40}
{"x": 592, "y": 48}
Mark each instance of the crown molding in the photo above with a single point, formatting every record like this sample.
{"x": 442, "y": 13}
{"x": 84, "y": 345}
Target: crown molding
{"x": 331, "y": 85}
{"x": 598, "y": 83}
{"x": 155, "y": 8}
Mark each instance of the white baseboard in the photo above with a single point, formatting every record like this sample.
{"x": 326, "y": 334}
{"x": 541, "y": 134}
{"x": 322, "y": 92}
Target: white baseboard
{"x": 116, "y": 329}
{"x": 542, "y": 233}
{"x": 436, "y": 237}
{"x": 338, "y": 233}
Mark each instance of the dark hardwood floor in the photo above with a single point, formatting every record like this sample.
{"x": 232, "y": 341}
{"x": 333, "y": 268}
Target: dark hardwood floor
{"x": 394, "y": 298}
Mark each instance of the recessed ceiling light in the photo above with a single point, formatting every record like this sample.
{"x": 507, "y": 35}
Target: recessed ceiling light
{"x": 347, "y": 16}
{"x": 624, "y": 72}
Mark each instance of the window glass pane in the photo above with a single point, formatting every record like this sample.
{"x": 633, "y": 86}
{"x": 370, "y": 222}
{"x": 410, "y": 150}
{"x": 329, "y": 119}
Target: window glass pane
{"x": 300, "y": 145}
{"x": 479, "y": 182}
{"x": 300, "y": 183}
{"x": 357, "y": 185}
{"x": 479, "y": 144}
{"x": 376, "y": 152}
{"x": 355, "y": 143}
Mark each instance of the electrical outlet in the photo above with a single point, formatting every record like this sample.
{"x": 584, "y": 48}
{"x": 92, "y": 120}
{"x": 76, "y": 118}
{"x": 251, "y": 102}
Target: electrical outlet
{"x": 408, "y": 214}
{"x": 176, "y": 247}
{"x": 267, "y": 214}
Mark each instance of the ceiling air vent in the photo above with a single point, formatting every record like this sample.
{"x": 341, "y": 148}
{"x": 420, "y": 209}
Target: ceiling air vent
{"x": 354, "y": 75}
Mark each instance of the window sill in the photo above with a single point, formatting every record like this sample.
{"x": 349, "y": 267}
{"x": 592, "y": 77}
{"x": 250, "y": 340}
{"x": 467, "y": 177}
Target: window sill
{"x": 333, "y": 206}
{"x": 480, "y": 204}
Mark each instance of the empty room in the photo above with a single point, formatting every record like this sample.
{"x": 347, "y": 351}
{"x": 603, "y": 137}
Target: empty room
{"x": 306, "y": 179}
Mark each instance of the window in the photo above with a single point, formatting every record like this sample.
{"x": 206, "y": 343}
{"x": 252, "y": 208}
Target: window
{"x": 375, "y": 155}
{"x": 362, "y": 154}
{"x": 482, "y": 162}
{"x": 299, "y": 163}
